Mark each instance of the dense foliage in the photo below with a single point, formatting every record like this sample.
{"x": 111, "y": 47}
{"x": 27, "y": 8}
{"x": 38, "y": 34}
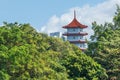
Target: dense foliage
{"x": 26, "y": 54}
{"x": 105, "y": 47}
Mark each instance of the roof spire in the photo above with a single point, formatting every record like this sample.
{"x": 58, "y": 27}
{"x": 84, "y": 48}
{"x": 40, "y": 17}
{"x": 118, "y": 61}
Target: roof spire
{"x": 74, "y": 14}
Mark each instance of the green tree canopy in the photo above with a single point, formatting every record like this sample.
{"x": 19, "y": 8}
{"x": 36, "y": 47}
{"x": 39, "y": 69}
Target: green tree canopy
{"x": 105, "y": 47}
{"x": 26, "y": 54}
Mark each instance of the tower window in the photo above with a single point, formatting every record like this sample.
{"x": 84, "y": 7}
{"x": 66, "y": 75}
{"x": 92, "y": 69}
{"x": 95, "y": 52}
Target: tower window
{"x": 73, "y": 37}
{"x": 80, "y": 45}
{"x": 81, "y": 30}
{"x": 81, "y": 37}
{"x": 73, "y": 29}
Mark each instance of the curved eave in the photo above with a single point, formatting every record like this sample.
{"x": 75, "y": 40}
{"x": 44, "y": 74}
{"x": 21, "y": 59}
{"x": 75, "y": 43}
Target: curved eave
{"x": 79, "y": 41}
{"x": 75, "y": 24}
{"x": 75, "y": 34}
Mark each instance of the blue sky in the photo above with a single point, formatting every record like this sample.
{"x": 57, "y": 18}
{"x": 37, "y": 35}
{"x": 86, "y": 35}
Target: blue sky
{"x": 50, "y": 15}
{"x": 38, "y": 12}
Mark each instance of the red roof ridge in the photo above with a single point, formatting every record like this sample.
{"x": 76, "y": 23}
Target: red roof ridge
{"x": 75, "y": 23}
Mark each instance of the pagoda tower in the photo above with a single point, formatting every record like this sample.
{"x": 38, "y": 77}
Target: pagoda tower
{"x": 75, "y": 33}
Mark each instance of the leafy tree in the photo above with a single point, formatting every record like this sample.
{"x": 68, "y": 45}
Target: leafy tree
{"x": 116, "y": 18}
{"x": 105, "y": 49}
{"x": 26, "y": 54}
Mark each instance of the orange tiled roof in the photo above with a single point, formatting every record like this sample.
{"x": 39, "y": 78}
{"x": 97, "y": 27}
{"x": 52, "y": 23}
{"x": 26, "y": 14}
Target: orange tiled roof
{"x": 75, "y": 24}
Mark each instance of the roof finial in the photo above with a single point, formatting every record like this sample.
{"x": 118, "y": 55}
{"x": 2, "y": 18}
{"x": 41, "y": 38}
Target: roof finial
{"x": 74, "y": 14}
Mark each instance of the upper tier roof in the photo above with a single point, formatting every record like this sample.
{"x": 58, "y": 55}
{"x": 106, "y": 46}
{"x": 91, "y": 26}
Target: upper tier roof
{"x": 75, "y": 24}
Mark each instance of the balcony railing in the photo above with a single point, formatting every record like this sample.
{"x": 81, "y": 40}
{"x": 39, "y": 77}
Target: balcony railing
{"x": 78, "y": 41}
{"x": 75, "y": 34}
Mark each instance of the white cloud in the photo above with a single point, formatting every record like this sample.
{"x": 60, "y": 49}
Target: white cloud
{"x": 102, "y": 12}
